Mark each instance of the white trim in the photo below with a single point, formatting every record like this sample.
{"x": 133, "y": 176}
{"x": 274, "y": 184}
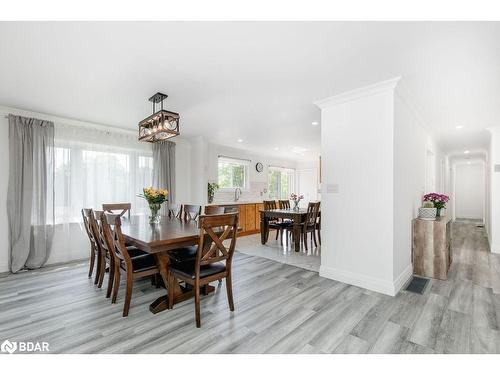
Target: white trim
{"x": 403, "y": 278}
{"x": 4, "y": 267}
{"x": 363, "y": 281}
{"x": 358, "y": 93}
{"x": 367, "y": 282}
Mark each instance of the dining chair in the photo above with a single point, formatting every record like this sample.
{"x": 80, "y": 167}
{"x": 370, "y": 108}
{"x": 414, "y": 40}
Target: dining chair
{"x": 284, "y": 204}
{"x": 214, "y": 210}
{"x": 112, "y": 207}
{"x": 212, "y": 262}
{"x": 279, "y": 225}
{"x": 86, "y": 214}
{"x": 191, "y": 212}
{"x": 105, "y": 256}
{"x": 310, "y": 223}
{"x": 132, "y": 266}
{"x": 175, "y": 211}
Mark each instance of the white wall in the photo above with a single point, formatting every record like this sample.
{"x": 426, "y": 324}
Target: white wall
{"x": 374, "y": 147}
{"x": 412, "y": 143}
{"x": 4, "y": 172}
{"x": 494, "y": 156}
{"x": 357, "y": 156}
{"x": 469, "y": 191}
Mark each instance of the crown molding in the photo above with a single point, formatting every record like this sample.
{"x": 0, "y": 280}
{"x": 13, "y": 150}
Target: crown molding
{"x": 376, "y": 88}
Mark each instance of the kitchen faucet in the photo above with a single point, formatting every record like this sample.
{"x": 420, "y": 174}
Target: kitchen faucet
{"x": 237, "y": 194}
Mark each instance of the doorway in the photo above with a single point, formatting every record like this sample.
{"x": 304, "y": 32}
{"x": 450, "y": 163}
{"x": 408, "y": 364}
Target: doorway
{"x": 469, "y": 191}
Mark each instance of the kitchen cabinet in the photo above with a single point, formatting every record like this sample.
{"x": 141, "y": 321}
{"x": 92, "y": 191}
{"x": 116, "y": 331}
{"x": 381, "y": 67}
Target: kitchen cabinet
{"x": 248, "y": 216}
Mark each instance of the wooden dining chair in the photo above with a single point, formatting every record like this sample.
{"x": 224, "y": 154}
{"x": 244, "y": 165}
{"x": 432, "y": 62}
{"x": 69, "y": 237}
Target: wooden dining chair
{"x": 212, "y": 262}
{"x": 311, "y": 222}
{"x": 214, "y": 210}
{"x": 175, "y": 211}
{"x": 277, "y": 224}
{"x": 106, "y": 258}
{"x": 191, "y": 212}
{"x": 284, "y": 204}
{"x": 86, "y": 215}
{"x": 133, "y": 267}
{"x": 124, "y": 208}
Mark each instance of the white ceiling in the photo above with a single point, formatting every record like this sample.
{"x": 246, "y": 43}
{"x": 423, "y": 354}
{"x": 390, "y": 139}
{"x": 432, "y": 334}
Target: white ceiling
{"x": 253, "y": 81}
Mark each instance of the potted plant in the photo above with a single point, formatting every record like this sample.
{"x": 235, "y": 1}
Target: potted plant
{"x": 427, "y": 211}
{"x": 155, "y": 198}
{"x": 212, "y": 188}
{"x": 438, "y": 200}
{"x": 295, "y": 198}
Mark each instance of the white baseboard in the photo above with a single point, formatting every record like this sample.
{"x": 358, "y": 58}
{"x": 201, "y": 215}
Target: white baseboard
{"x": 368, "y": 282}
{"x": 403, "y": 278}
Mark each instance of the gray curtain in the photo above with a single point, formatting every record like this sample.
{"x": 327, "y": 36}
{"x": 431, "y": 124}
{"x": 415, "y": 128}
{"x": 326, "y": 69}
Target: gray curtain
{"x": 164, "y": 169}
{"x": 30, "y": 200}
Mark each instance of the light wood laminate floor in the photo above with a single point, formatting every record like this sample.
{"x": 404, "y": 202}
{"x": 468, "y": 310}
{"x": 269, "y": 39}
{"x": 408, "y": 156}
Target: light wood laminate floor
{"x": 279, "y": 309}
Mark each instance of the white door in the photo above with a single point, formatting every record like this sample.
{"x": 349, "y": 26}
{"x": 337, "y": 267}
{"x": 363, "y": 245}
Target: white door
{"x": 307, "y": 182}
{"x": 469, "y": 191}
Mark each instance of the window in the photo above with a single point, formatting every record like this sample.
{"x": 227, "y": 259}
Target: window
{"x": 233, "y": 173}
{"x": 281, "y": 182}
{"x": 89, "y": 174}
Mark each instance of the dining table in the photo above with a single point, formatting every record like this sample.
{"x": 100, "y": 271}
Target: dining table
{"x": 158, "y": 239}
{"x": 298, "y": 216}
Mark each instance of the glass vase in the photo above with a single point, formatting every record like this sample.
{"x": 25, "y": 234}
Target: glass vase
{"x": 154, "y": 217}
{"x": 295, "y": 205}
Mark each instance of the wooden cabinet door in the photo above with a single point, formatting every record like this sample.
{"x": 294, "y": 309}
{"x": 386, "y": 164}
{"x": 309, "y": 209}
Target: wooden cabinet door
{"x": 258, "y": 208}
{"x": 242, "y": 223}
{"x": 250, "y": 216}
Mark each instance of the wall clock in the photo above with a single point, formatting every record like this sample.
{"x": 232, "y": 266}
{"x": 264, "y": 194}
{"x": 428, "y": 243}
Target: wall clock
{"x": 259, "y": 167}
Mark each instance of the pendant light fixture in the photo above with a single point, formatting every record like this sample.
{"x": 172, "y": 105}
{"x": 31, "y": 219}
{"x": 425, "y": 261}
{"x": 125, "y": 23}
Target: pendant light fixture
{"x": 161, "y": 125}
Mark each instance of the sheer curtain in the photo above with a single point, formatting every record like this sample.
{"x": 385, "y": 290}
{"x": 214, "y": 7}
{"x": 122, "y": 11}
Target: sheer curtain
{"x": 92, "y": 167}
{"x": 30, "y": 203}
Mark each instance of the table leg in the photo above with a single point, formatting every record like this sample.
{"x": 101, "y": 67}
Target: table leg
{"x": 264, "y": 228}
{"x": 180, "y": 293}
{"x": 296, "y": 234}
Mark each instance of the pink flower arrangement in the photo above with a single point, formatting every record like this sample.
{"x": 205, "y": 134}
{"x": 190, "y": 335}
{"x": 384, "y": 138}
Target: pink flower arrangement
{"x": 439, "y": 200}
{"x": 295, "y": 197}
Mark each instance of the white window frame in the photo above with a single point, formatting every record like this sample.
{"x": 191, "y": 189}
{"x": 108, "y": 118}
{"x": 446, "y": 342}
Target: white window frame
{"x": 246, "y": 172}
{"x": 293, "y": 178}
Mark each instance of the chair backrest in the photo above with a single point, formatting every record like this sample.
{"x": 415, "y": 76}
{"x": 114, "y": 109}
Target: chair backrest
{"x": 191, "y": 212}
{"x": 270, "y": 205}
{"x": 175, "y": 211}
{"x": 113, "y": 235}
{"x": 87, "y": 215}
{"x": 312, "y": 213}
{"x": 124, "y": 208}
{"x": 284, "y": 204}
{"x": 214, "y": 210}
{"x": 214, "y": 230}
{"x": 103, "y": 241}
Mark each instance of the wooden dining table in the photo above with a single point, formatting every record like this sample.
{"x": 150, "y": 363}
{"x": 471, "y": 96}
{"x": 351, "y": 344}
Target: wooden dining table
{"x": 297, "y": 216}
{"x": 158, "y": 240}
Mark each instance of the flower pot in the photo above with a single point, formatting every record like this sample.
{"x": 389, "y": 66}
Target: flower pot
{"x": 425, "y": 213}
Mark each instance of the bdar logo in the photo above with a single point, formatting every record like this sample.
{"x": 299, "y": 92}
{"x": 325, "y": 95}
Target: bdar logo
{"x": 8, "y": 347}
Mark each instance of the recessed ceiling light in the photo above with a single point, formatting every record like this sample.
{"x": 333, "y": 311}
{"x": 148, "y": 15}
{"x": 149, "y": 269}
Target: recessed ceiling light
{"x": 239, "y": 140}
{"x": 459, "y": 127}
{"x": 466, "y": 151}
{"x": 315, "y": 123}
{"x": 468, "y": 162}
{"x": 276, "y": 148}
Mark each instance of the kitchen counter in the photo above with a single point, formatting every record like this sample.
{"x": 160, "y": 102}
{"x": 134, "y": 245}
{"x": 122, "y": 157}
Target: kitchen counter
{"x": 233, "y": 203}
{"x": 249, "y": 215}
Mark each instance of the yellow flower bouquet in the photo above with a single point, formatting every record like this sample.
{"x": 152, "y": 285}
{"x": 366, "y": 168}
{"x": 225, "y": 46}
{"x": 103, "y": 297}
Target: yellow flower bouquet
{"x": 154, "y": 197}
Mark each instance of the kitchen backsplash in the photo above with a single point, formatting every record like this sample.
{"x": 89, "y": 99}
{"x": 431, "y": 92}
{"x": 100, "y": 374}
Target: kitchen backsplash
{"x": 258, "y": 192}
